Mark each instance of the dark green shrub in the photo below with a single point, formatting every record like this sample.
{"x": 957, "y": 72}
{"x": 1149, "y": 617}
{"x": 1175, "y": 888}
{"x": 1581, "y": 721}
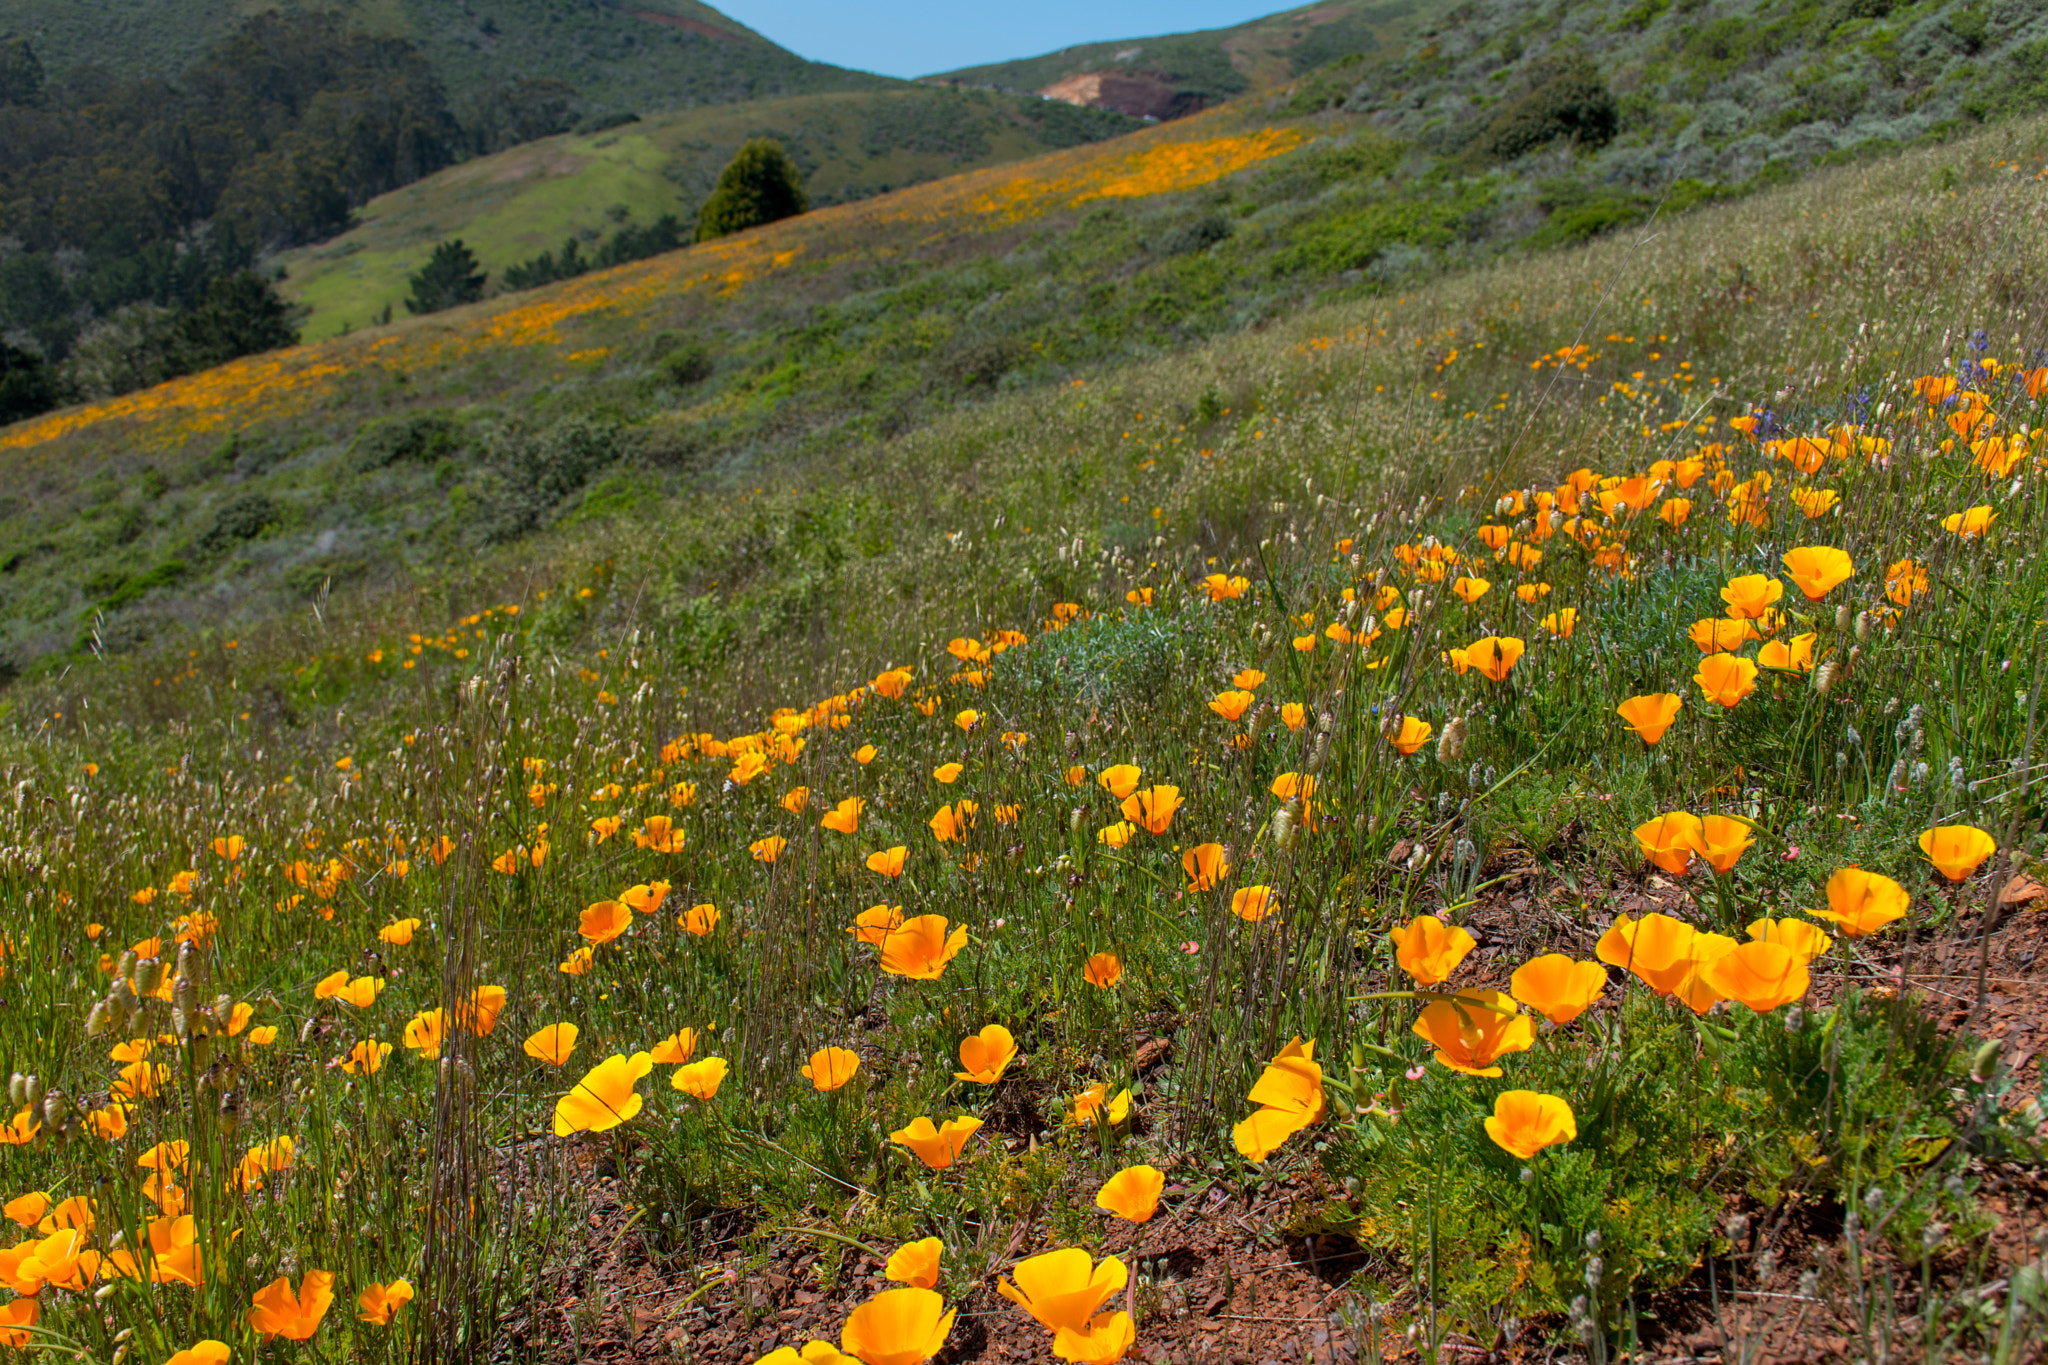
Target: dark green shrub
{"x": 759, "y": 185}
{"x": 449, "y": 278}
{"x": 1575, "y": 104}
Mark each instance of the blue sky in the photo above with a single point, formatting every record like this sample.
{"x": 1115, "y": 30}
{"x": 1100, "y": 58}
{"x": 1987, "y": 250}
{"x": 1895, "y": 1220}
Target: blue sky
{"x": 919, "y": 37}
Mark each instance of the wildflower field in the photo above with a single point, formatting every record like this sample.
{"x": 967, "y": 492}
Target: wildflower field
{"x": 1496, "y": 823}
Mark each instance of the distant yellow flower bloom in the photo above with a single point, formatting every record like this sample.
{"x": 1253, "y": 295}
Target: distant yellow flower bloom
{"x": 700, "y": 1080}
{"x": 1103, "y": 970}
{"x": 1253, "y": 903}
{"x": 939, "y": 1146}
{"x": 1970, "y": 524}
{"x": 699, "y": 920}
{"x": 1132, "y": 1193}
{"x": 1957, "y": 850}
{"x": 552, "y": 1044}
{"x": 769, "y": 849}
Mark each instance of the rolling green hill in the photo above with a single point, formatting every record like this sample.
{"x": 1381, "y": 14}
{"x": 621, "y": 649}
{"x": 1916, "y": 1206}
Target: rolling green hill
{"x": 620, "y": 55}
{"x": 513, "y": 205}
{"x": 1177, "y": 73}
{"x": 400, "y": 453}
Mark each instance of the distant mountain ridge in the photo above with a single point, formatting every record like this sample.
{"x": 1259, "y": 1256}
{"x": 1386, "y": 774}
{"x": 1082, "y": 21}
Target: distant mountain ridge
{"x": 620, "y": 55}
{"x": 1175, "y": 74}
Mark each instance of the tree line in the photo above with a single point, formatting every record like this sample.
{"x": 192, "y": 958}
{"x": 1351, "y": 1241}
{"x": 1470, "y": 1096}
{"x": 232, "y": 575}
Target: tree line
{"x": 133, "y": 212}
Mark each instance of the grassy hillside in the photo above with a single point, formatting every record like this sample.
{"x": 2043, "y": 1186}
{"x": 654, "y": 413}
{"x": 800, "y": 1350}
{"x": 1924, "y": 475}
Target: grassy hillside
{"x": 623, "y": 56}
{"x": 1227, "y": 744}
{"x": 1177, "y": 73}
{"x": 513, "y": 205}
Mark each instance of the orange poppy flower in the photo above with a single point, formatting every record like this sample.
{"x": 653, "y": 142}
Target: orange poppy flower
{"x": 1119, "y": 779}
{"x": 699, "y": 920}
{"x": 951, "y": 823}
{"x": 1557, "y": 987}
{"x": 875, "y": 923}
{"x": 604, "y": 921}
{"x": 605, "y": 1097}
{"x": 1495, "y": 656}
{"x": 1722, "y": 840}
{"x": 1152, "y": 809}
{"x": 1861, "y": 903}
{"x": 275, "y": 1311}
{"x": 831, "y": 1067}
{"x": 1205, "y": 866}
{"x": 986, "y": 1055}
{"x": 1957, "y": 850}
{"x": 1095, "y": 1102}
{"x": 921, "y": 948}
{"x": 1430, "y": 950}
{"x": 1103, "y": 970}
{"x": 645, "y": 897}
{"x": 1524, "y": 1122}
{"x": 916, "y": 1264}
{"x": 1231, "y": 704}
{"x": 888, "y": 862}
{"x": 377, "y": 1304}
{"x": 937, "y": 1147}
{"x": 1805, "y": 941}
{"x": 553, "y": 1044}
{"x": 1651, "y": 715}
{"x": 896, "y": 1327}
{"x": 1660, "y": 950}
{"x": 844, "y": 818}
{"x": 1063, "y": 1289}
{"x": 676, "y": 1049}
{"x": 1970, "y": 524}
{"x": 1762, "y": 975}
{"x": 946, "y": 774}
{"x": 1725, "y": 679}
{"x": 1818, "y": 570}
{"x": 1751, "y": 595}
{"x": 1476, "y": 1030}
{"x": 769, "y": 849}
{"x": 700, "y": 1080}
{"x": 1289, "y": 1096}
{"x": 1412, "y": 735}
{"x": 1253, "y": 903}
{"x": 1132, "y": 1193}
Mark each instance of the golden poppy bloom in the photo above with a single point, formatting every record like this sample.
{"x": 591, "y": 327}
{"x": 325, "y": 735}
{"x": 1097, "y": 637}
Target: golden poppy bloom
{"x": 1725, "y": 679}
{"x": 198, "y": 1353}
{"x": 1970, "y": 524}
{"x": 1663, "y": 952}
{"x": 1231, "y": 704}
{"x": 1674, "y": 511}
{"x": 1671, "y": 840}
{"x": 1751, "y": 595}
{"x": 1815, "y": 502}
{"x": 1064, "y": 1288}
{"x": 229, "y": 848}
{"x": 645, "y": 897}
{"x": 1250, "y": 679}
{"x": 831, "y": 1067}
{"x": 1957, "y": 850}
{"x": 1903, "y": 579}
{"x": 275, "y": 1311}
{"x": 1116, "y": 835}
{"x": 1095, "y": 1101}
{"x": 888, "y": 862}
{"x": 844, "y": 818}
{"x": 1430, "y": 950}
{"x": 423, "y": 1033}
{"x": 795, "y": 800}
{"x": 898, "y": 1327}
{"x": 1253, "y": 903}
{"x": 1805, "y": 941}
{"x": 769, "y": 849}
{"x": 399, "y": 933}
{"x": 1818, "y": 570}
{"x": 1075, "y": 775}
{"x": 1103, "y": 970}
{"x": 553, "y": 1044}
{"x": 1524, "y": 1122}
{"x": 1561, "y": 623}
{"x": 916, "y": 1264}
{"x": 1152, "y": 809}
{"x": 479, "y": 1013}
{"x": 967, "y": 719}
{"x": 1719, "y": 635}
{"x": 1861, "y": 903}
{"x": 1132, "y": 1193}
{"x": 1651, "y": 715}
{"x": 948, "y": 773}
{"x": 1793, "y": 656}
{"x": 660, "y": 834}
{"x": 1476, "y": 1030}
{"x": 986, "y": 1055}
{"x": 700, "y": 1080}
{"x": 1119, "y": 779}
{"x": 1412, "y": 735}
{"x": 1469, "y": 590}
{"x": 1532, "y": 593}
{"x": 360, "y": 993}
{"x": 1205, "y": 866}
{"x": 604, "y": 921}
{"x": 605, "y": 1097}
{"x": 865, "y": 754}
{"x": 938, "y": 1147}
{"x": 1495, "y": 655}
{"x": 1557, "y": 987}
{"x": 748, "y": 766}
{"x": 950, "y": 824}
{"x": 1762, "y": 975}
{"x": 376, "y": 1304}
{"x": 891, "y": 684}
{"x": 1224, "y": 587}
{"x": 1722, "y": 840}
{"x": 676, "y": 1049}
{"x": 1289, "y": 1096}
{"x": 699, "y": 920}
{"x": 1291, "y": 786}
{"x": 605, "y": 826}
{"x": 920, "y": 948}
{"x": 366, "y": 1059}
{"x": 876, "y": 922}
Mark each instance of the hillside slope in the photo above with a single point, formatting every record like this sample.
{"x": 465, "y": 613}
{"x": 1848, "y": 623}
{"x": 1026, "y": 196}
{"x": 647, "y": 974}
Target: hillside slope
{"x": 620, "y": 55}
{"x": 1174, "y": 74}
{"x": 513, "y": 205}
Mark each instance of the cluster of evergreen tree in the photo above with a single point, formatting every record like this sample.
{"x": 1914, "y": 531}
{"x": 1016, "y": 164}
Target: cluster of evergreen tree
{"x": 630, "y": 243}
{"x": 132, "y": 212}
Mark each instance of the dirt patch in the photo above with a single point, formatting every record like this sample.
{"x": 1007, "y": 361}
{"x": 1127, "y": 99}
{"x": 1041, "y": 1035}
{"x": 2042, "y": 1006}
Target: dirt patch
{"x": 687, "y": 25}
{"x": 1141, "y": 94}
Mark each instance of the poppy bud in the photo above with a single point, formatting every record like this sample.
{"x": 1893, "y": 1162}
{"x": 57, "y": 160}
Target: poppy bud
{"x": 1451, "y": 747}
